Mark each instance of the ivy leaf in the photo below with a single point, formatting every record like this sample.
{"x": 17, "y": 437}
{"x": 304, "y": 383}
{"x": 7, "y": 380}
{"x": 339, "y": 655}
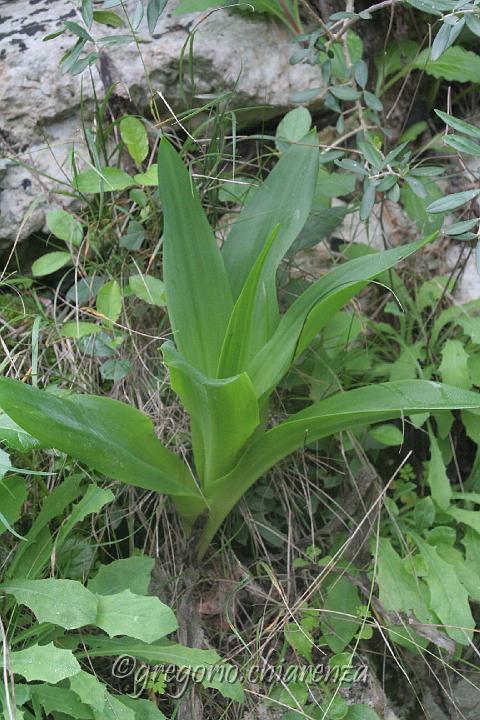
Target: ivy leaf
{"x": 44, "y": 662}
{"x": 143, "y": 618}
{"x": 61, "y": 602}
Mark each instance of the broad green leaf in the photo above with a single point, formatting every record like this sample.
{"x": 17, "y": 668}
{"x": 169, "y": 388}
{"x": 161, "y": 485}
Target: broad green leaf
{"x": 388, "y": 435}
{"x": 339, "y": 619}
{"x": 44, "y": 662}
{"x": 198, "y": 294}
{"x": 312, "y": 310}
{"x": 107, "y": 435}
{"x": 134, "y": 135}
{"x": 454, "y": 366}
{"x": 149, "y": 289}
{"x": 140, "y": 617}
{"x": 114, "y": 709}
{"x": 115, "y": 369}
{"x": 143, "y": 709}
{"x": 224, "y": 413}
{"x": 109, "y": 300}
{"x": 131, "y": 573}
{"x": 14, "y": 437}
{"x": 78, "y": 329}
{"x": 343, "y": 411}
{"x": 471, "y": 518}
{"x": 13, "y": 493}
{"x": 292, "y": 128}
{"x": 50, "y": 263}
{"x": 299, "y": 639}
{"x": 61, "y": 602}
{"x": 361, "y": 712}
{"x": 284, "y": 199}
{"x": 109, "y": 179}
{"x": 94, "y": 499}
{"x": 437, "y": 477}
{"x": 89, "y": 689}
{"x": 65, "y": 227}
{"x": 448, "y": 597}
{"x": 455, "y": 64}
{"x": 148, "y": 178}
{"x": 452, "y": 202}
{"x": 398, "y": 589}
{"x": 55, "y": 699}
{"x": 460, "y": 125}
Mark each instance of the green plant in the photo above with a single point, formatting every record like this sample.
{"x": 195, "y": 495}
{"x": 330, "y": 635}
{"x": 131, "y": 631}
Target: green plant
{"x": 52, "y": 625}
{"x": 231, "y": 350}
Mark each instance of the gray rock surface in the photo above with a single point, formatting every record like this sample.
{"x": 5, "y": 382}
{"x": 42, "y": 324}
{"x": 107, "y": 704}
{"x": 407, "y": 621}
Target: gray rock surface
{"x": 40, "y": 107}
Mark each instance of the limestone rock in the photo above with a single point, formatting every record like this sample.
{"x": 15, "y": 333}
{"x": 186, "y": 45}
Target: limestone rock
{"x": 40, "y": 115}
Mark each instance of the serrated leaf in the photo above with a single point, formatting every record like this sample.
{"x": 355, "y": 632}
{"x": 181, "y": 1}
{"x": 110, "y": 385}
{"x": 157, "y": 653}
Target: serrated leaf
{"x": 65, "y": 227}
{"x": 61, "y": 602}
{"x": 62, "y": 700}
{"x": 50, "y": 263}
{"x": 133, "y": 573}
{"x": 46, "y": 663}
{"x": 136, "y": 616}
{"x": 109, "y": 300}
{"x": 135, "y": 137}
{"x": 89, "y": 689}
{"x": 448, "y": 597}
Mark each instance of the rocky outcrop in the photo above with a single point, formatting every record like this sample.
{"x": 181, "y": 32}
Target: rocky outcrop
{"x": 40, "y": 107}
